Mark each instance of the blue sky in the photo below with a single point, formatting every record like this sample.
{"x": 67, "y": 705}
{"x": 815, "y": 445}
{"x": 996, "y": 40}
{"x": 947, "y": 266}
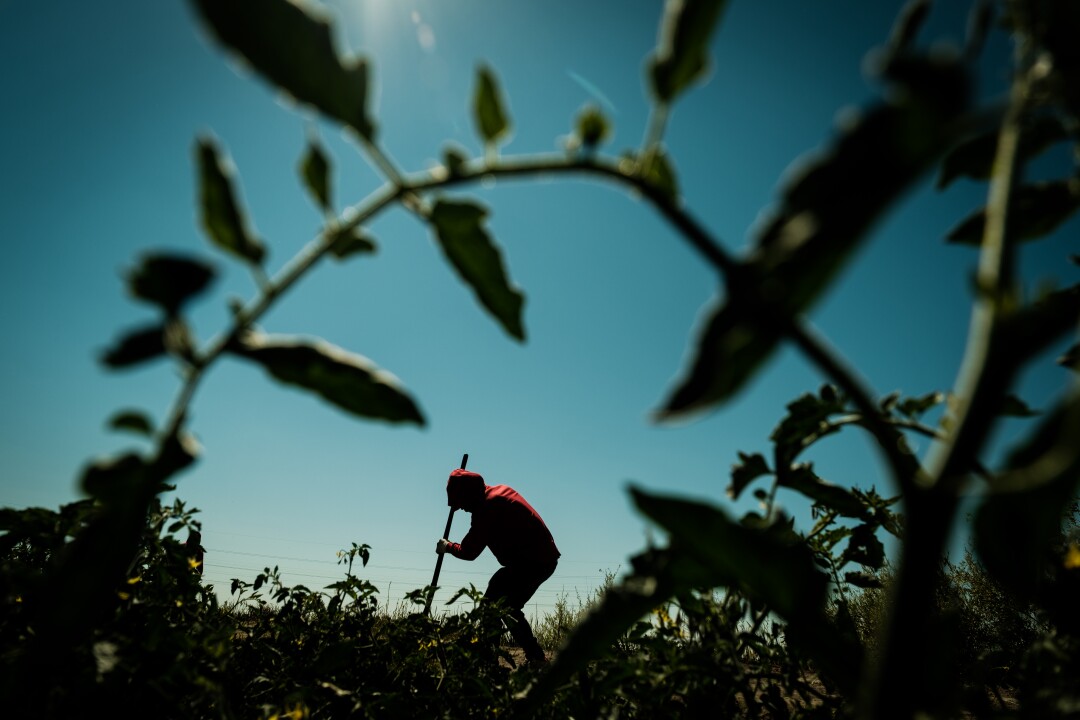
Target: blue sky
{"x": 101, "y": 107}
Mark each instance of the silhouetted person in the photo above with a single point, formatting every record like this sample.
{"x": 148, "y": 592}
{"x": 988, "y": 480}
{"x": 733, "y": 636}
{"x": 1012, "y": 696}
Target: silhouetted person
{"x": 519, "y": 540}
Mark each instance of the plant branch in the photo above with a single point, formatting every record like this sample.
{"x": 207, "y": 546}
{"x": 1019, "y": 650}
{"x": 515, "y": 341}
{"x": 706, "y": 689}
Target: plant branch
{"x": 654, "y": 131}
{"x": 381, "y": 161}
{"x": 902, "y": 462}
{"x": 977, "y": 388}
{"x": 619, "y": 171}
{"x": 932, "y": 506}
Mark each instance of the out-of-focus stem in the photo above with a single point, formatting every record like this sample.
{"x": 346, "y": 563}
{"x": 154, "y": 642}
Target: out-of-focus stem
{"x": 897, "y": 683}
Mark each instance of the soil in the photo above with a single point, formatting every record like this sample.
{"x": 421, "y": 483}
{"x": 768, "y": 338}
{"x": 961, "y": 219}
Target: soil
{"x": 518, "y": 656}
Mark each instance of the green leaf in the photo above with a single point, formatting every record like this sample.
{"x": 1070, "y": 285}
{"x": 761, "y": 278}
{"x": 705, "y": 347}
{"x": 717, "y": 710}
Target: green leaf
{"x": 221, "y": 215}
{"x": 478, "y": 260}
{"x": 658, "y": 575}
{"x": 136, "y": 346}
{"x": 729, "y": 350}
{"x": 315, "y": 172}
{"x": 974, "y": 158}
{"x": 168, "y": 280}
{"x": 454, "y": 157}
{"x": 681, "y": 56}
{"x": 489, "y": 111}
{"x": 134, "y": 421}
{"x": 1033, "y": 329}
{"x": 593, "y": 128}
{"x": 825, "y": 213}
{"x": 864, "y": 548}
{"x": 805, "y": 423}
{"x": 802, "y": 478}
{"x": 1035, "y": 211}
{"x": 700, "y": 557}
{"x": 829, "y": 539}
{"x": 772, "y": 565}
{"x": 350, "y": 242}
{"x": 290, "y": 44}
{"x": 744, "y": 472}
{"x": 346, "y": 380}
{"x": 779, "y": 573}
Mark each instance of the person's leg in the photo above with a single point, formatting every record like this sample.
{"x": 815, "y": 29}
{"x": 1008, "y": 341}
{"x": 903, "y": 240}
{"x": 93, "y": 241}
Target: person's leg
{"x": 517, "y": 585}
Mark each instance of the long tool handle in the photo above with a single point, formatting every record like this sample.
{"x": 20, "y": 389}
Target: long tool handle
{"x": 445, "y": 534}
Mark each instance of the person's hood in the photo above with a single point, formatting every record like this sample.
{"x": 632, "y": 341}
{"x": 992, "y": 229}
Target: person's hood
{"x": 462, "y": 486}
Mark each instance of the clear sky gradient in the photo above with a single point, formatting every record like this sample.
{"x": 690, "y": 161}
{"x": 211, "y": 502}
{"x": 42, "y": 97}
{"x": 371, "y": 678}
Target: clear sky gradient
{"x": 101, "y": 106}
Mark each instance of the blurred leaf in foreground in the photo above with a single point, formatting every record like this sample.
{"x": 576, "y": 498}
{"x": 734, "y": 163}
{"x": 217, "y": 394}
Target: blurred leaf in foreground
{"x": 169, "y": 280}
{"x": 134, "y": 421}
{"x": 311, "y": 71}
{"x": 682, "y": 54}
{"x": 136, "y": 346}
{"x": 347, "y": 243}
{"x": 315, "y": 172}
{"x": 826, "y": 211}
{"x": 221, "y": 215}
{"x": 489, "y": 108}
{"x": 1016, "y": 524}
{"x": 974, "y": 158}
{"x": 478, "y": 260}
{"x": 349, "y": 381}
{"x": 1035, "y": 211}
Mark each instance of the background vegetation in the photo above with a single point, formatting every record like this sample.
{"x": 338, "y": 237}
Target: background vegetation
{"x": 104, "y": 607}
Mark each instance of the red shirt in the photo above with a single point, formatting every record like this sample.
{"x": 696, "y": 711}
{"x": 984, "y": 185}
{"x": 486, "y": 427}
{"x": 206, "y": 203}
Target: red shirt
{"x": 508, "y": 525}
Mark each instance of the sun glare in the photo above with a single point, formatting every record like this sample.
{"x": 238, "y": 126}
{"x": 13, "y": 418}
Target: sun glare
{"x": 380, "y": 23}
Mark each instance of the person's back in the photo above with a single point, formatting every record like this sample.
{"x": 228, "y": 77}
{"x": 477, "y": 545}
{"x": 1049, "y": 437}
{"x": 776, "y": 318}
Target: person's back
{"x": 508, "y": 524}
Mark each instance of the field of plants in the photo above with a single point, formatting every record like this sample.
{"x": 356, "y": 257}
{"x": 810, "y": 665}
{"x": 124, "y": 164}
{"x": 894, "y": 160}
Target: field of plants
{"x": 104, "y": 606}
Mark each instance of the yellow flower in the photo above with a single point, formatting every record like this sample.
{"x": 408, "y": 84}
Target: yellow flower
{"x": 1072, "y": 557}
{"x": 134, "y": 580}
{"x": 298, "y": 711}
{"x": 193, "y": 563}
{"x": 124, "y": 595}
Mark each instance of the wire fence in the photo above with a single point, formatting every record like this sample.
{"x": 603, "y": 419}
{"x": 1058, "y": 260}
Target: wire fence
{"x": 570, "y": 586}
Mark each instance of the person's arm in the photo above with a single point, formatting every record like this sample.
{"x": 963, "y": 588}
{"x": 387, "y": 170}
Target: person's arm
{"x": 470, "y": 546}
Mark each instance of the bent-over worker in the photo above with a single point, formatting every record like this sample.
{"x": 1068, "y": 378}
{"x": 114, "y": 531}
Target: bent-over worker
{"x": 503, "y": 521}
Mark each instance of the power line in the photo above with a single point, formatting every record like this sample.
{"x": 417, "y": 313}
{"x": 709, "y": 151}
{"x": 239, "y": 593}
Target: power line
{"x": 370, "y": 565}
{"x": 379, "y": 549}
{"x": 218, "y": 566}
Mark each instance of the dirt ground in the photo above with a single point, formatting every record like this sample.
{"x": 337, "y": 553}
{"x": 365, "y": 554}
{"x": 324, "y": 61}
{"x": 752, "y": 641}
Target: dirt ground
{"x": 519, "y": 657}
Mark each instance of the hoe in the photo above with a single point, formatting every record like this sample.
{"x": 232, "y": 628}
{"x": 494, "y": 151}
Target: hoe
{"x": 445, "y": 534}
